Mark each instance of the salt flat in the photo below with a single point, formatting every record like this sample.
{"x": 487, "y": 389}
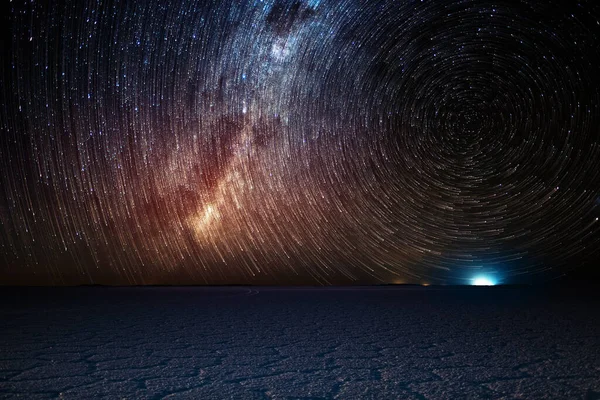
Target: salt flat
{"x": 299, "y": 343}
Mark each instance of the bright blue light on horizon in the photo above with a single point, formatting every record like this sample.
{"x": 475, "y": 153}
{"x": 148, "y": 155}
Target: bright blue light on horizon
{"x": 483, "y": 280}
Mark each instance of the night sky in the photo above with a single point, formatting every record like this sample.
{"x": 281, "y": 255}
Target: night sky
{"x": 293, "y": 142}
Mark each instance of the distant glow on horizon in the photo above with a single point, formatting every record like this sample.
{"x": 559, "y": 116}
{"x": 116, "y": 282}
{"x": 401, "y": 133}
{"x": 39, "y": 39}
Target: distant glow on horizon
{"x": 482, "y": 281}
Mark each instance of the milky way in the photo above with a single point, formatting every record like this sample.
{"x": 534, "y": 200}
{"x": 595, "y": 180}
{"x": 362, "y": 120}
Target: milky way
{"x": 313, "y": 141}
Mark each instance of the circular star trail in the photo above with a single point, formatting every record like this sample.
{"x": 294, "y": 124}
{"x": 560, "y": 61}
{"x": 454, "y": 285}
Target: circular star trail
{"x": 298, "y": 141}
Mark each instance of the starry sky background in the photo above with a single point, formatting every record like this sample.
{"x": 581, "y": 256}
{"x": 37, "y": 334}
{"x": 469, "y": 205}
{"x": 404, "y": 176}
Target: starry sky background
{"x": 289, "y": 142}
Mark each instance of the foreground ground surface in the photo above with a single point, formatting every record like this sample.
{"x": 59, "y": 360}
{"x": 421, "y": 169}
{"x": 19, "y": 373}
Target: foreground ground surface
{"x": 260, "y": 343}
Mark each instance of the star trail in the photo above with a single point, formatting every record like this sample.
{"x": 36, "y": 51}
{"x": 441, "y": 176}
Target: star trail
{"x": 211, "y": 142}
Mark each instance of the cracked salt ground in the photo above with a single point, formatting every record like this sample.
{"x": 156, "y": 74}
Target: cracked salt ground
{"x": 261, "y": 343}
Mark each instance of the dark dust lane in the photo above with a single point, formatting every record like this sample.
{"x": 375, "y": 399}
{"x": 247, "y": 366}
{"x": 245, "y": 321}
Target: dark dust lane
{"x": 260, "y": 343}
